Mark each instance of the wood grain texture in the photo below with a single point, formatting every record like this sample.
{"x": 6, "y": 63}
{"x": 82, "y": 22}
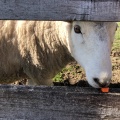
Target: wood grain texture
{"x": 58, "y": 103}
{"x": 92, "y": 10}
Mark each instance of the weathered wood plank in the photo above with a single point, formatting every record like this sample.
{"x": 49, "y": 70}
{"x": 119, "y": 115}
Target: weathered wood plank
{"x": 58, "y": 103}
{"x": 93, "y": 10}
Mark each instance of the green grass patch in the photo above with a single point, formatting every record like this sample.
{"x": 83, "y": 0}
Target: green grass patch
{"x": 59, "y": 76}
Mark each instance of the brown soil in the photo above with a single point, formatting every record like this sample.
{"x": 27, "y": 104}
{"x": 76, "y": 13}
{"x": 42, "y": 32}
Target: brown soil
{"x": 116, "y": 66}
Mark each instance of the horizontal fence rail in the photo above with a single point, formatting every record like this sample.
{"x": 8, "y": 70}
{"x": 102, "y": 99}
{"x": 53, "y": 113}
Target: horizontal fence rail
{"x": 90, "y": 10}
{"x": 58, "y": 103}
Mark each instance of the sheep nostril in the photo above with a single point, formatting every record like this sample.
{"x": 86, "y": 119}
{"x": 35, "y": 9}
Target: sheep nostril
{"x": 101, "y": 84}
{"x": 96, "y": 80}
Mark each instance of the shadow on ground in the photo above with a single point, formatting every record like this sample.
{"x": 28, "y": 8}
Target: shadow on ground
{"x": 83, "y": 83}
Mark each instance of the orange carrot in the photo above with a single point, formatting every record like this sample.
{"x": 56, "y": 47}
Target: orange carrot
{"x": 105, "y": 90}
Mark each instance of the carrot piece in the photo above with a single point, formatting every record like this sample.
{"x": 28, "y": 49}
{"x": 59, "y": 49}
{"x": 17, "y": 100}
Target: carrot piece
{"x": 105, "y": 90}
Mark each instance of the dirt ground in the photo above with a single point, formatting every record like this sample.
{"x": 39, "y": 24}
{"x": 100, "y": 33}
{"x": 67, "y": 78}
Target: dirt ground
{"x": 116, "y": 66}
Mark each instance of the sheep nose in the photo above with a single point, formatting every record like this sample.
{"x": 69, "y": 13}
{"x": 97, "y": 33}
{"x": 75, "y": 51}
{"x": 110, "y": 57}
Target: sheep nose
{"x": 104, "y": 83}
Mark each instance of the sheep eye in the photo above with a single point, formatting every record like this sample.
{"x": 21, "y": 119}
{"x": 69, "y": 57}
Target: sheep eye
{"x": 77, "y": 29}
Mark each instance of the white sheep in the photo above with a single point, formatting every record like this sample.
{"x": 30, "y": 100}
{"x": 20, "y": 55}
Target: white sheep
{"x": 39, "y": 49}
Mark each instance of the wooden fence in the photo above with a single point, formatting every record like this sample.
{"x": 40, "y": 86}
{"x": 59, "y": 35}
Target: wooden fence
{"x": 59, "y": 103}
{"x": 93, "y": 10}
